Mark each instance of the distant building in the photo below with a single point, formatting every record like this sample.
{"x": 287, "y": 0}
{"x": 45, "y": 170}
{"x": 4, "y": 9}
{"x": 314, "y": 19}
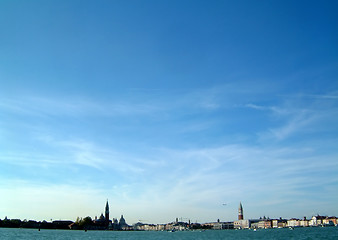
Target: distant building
{"x": 293, "y": 222}
{"x": 304, "y": 222}
{"x": 115, "y": 224}
{"x": 103, "y": 222}
{"x": 323, "y": 221}
{"x": 279, "y": 223}
{"x": 316, "y": 220}
{"x": 179, "y": 226}
{"x": 122, "y": 224}
{"x": 241, "y": 224}
{"x": 254, "y": 223}
{"x": 145, "y": 227}
{"x": 221, "y": 225}
{"x": 264, "y": 223}
{"x": 330, "y": 221}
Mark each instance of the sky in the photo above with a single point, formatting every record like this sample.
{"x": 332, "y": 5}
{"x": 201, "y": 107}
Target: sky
{"x": 169, "y": 109}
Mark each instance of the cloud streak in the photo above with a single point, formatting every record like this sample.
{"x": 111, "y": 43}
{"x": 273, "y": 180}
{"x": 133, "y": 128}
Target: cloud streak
{"x": 194, "y": 177}
{"x": 42, "y": 106}
{"x": 189, "y": 177}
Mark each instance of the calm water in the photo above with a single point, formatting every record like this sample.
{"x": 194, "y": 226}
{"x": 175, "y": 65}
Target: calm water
{"x": 298, "y": 233}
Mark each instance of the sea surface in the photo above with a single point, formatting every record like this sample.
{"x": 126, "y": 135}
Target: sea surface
{"x": 285, "y": 233}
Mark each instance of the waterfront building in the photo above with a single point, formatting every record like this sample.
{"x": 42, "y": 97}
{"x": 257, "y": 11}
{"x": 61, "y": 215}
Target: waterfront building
{"x": 253, "y": 223}
{"x": 115, "y": 224}
{"x": 160, "y": 227}
{"x": 279, "y": 223}
{"x": 293, "y": 222}
{"x": 265, "y": 223}
{"x": 147, "y": 227}
{"x": 177, "y": 226}
{"x": 316, "y": 220}
{"x": 227, "y": 225}
{"x": 275, "y": 223}
{"x": 330, "y": 221}
{"x": 242, "y": 224}
{"x": 304, "y": 222}
{"x": 122, "y": 224}
{"x": 322, "y": 221}
{"x": 221, "y": 225}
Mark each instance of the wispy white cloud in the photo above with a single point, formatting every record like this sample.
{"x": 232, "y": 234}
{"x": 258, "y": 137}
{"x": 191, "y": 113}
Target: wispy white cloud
{"x": 210, "y": 176}
{"x": 273, "y": 109}
{"x": 296, "y": 114}
{"x": 65, "y": 106}
{"x": 87, "y": 153}
{"x": 205, "y": 178}
{"x": 141, "y": 102}
{"x": 255, "y": 106}
{"x": 295, "y": 124}
{"x": 70, "y": 153}
{"x": 329, "y": 96}
{"x": 193, "y": 178}
{"x": 31, "y": 159}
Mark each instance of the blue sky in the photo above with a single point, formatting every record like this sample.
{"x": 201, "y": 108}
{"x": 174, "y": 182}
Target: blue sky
{"x": 168, "y": 109}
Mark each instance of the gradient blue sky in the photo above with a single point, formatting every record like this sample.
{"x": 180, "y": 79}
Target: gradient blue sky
{"x": 168, "y": 109}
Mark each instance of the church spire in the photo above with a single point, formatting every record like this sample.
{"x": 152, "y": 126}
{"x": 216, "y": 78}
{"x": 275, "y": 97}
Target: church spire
{"x": 107, "y": 212}
{"x": 107, "y": 206}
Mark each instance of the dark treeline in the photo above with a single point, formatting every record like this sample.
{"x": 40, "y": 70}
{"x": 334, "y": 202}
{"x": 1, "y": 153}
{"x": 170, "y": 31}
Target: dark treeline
{"x": 80, "y": 224}
{"x": 18, "y": 223}
{"x": 200, "y": 226}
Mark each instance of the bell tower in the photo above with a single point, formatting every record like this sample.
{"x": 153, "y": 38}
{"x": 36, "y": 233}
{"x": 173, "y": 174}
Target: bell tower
{"x": 107, "y": 212}
{"x": 240, "y": 212}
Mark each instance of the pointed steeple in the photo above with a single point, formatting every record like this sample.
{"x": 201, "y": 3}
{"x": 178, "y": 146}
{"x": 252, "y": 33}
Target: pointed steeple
{"x": 107, "y": 206}
{"x": 107, "y": 211}
{"x": 240, "y": 212}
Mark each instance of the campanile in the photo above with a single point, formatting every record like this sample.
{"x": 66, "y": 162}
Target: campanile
{"x": 107, "y": 212}
{"x": 240, "y": 212}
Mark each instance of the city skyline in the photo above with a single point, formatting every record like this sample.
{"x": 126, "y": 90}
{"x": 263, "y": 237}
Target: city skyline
{"x": 104, "y": 222}
{"x": 168, "y": 109}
